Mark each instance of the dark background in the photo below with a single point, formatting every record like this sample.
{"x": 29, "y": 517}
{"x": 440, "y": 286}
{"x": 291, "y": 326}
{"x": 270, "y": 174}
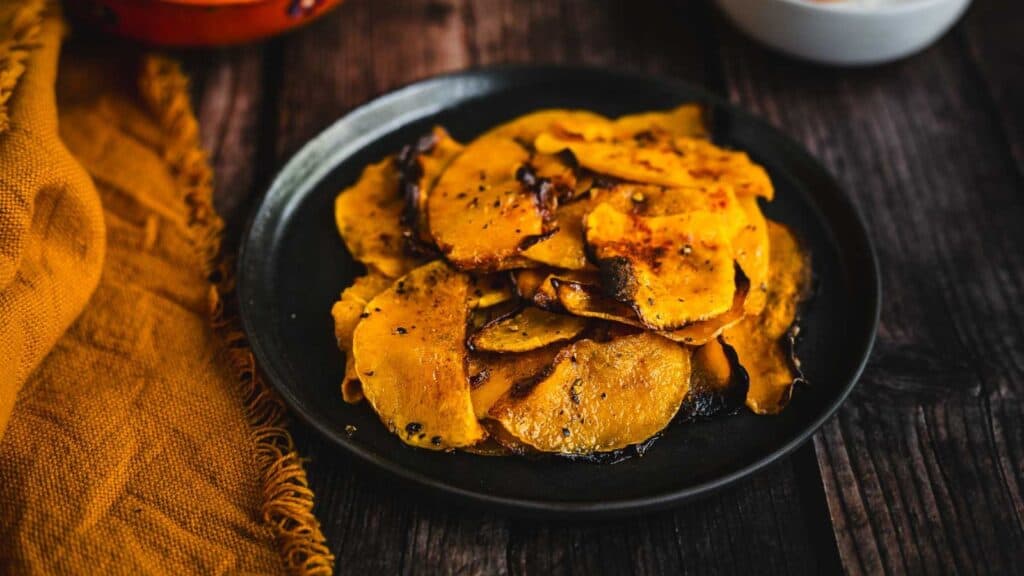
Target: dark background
{"x": 922, "y": 469}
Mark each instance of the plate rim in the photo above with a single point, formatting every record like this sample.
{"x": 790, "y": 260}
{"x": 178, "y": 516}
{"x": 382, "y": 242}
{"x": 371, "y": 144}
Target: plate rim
{"x": 531, "y": 506}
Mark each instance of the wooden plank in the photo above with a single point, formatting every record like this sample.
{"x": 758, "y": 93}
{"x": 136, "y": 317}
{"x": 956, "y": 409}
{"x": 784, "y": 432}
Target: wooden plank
{"x": 227, "y": 88}
{"x": 367, "y": 48}
{"x": 358, "y": 52}
{"x": 375, "y": 523}
{"x": 992, "y": 32}
{"x": 923, "y": 466}
{"x": 736, "y": 530}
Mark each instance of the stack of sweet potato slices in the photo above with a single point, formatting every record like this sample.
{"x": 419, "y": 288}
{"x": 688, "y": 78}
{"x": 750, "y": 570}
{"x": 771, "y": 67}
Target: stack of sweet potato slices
{"x": 566, "y": 283}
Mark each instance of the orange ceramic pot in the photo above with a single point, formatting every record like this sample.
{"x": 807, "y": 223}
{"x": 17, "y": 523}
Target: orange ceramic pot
{"x": 197, "y": 22}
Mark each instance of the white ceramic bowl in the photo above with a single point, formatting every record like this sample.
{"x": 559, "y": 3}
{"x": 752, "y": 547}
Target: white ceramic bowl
{"x": 845, "y": 32}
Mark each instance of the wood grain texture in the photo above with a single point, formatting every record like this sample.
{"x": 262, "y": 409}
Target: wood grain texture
{"x": 922, "y": 470}
{"x": 229, "y": 96}
{"x": 992, "y": 33}
{"x": 375, "y": 523}
{"x": 923, "y": 466}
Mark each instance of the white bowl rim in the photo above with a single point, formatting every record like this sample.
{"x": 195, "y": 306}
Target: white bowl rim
{"x": 847, "y": 7}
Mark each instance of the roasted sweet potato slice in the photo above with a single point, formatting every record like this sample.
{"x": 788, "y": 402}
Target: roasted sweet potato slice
{"x": 672, "y": 270}
{"x": 480, "y": 317}
{"x": 410, "y": 353}
{"x": 587, "y": 300}
{"x": 707, "y": 161}
{"x": 564, "y": 248}
{"x": 351, "y": 385}
{"x": 420, "y": 164}
{"x": 686, "y": 120}
{"x": 622, "y": 159}
{"x": 538, "y": 284}
{"x": 528, "y": 280}
{"x": 527, "y": 329}
{"x": 491, "y": 375}
{"x": 718, "y": 384}
{"x": 547, "y": 297}
{"x": 347, "y": 312}
{"x": 598, "y": 397}
{"x": 486, "y": 290}
{"x": 480, "y": 214}
{"x": 762, "y": 342}
{"x": 703, "y": 331}
{"x": 677, "y": 162}
{"x": 526, "y": 128}
{"x": 751, "y": 249}
{"x": 717, "y": 201}
{"x": 738, "y": 217}
{"x": 556, "y": 171}
{"x": 349, "y": 308}
{"x": 490, "y": 297}
{"x": 711, "y": 366}
{"x": 367, "y": 215}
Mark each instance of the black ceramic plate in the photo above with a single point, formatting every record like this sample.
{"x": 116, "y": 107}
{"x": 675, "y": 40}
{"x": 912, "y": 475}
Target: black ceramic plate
{"x": 293, "y": 265}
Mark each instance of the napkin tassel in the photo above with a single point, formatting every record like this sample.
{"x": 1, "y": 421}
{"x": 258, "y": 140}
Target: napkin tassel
{"x": 287, "y": 499}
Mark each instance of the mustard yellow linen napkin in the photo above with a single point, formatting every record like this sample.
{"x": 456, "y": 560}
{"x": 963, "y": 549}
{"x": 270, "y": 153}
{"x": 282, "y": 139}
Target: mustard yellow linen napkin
{"x": 135, "y": 434}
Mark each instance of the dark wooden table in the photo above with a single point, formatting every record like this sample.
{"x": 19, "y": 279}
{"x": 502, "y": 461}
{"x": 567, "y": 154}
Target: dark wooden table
{"x": 923, "y": 468}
